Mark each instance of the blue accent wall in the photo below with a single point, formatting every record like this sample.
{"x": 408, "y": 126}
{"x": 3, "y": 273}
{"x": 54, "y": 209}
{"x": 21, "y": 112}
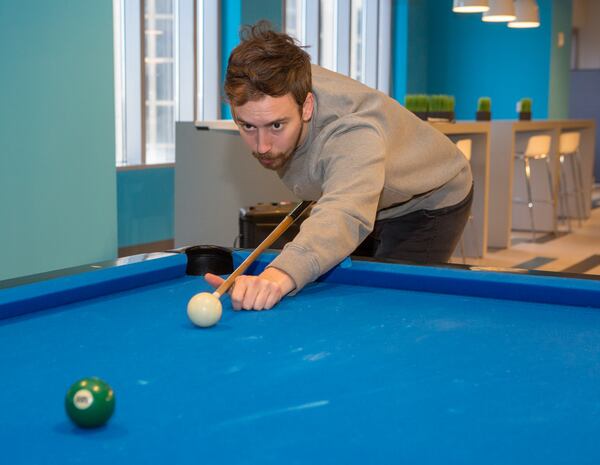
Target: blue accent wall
{"x": 57, "y": 136}
{"x": 271, "y": 10}
{"x": 458, "y": 54}
{"x": 417, "y": 43}
{"x": 145, "y": 205}
{"x": 399, "y": 49}
{"x": 468, "y": 58}
{"x": 231, "y": 19}
{"x": 236, "y": 13}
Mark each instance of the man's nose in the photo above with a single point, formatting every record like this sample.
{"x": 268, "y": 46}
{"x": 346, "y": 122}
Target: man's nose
{"x": 263, "y": 142}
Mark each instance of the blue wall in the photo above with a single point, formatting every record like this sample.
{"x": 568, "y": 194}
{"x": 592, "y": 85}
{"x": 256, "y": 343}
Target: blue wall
{"x": 57, "y": 137}
{"x": 231, "y": 19}
{"x": 271, "y": 10}
{"x": 145, "y": 205}
{"x": 469, "y": 58}
{"x": 459, "y": 54}
{"x": 234, "y": 14}
{"x": 399, "y": 49}
{"x": 417, "y": 43}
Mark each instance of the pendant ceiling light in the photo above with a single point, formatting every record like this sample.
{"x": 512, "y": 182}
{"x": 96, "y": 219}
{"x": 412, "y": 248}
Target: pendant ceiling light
{"x": 528, "y": 14}
{"x": 500, "y": 11}
{"x": 470, "y": 6}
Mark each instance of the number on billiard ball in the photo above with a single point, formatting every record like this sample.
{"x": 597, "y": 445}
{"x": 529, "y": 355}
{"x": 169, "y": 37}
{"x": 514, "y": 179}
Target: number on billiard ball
{"x": 90, "y": 402}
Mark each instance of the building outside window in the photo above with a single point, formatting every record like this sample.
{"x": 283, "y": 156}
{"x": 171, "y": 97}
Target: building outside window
{"x": 159, "y": 86}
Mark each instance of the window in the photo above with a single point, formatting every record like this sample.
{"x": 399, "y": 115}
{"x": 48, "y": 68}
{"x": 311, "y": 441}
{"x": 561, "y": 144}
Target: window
{"x": 351, "y": 37}
{"x": 155, "y": 80}
{"x": 158, "y": 89}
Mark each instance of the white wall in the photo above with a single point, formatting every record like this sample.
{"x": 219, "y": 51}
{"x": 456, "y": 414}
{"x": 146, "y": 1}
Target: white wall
{"x": 215, "y": 176}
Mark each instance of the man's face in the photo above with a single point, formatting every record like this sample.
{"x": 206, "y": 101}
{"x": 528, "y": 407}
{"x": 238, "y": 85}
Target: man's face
{"x": 273, "y": 127}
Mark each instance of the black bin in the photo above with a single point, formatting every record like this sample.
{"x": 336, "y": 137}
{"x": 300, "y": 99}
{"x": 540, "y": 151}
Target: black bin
{"x": 257, "y": 221}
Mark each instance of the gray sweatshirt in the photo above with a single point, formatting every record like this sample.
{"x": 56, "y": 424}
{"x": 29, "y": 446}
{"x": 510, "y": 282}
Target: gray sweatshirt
{"x": 365, "y": 157}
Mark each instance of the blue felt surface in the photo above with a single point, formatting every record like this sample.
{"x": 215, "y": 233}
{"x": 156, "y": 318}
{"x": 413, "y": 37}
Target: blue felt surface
{"x": 337, "y": 374}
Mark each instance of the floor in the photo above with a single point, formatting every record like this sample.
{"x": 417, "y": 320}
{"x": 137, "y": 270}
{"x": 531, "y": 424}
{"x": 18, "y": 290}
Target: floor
{"x": 577, "y": 251}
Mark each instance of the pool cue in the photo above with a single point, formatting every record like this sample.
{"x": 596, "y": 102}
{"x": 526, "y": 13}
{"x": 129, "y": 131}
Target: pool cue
{"x": 275, "y": 234}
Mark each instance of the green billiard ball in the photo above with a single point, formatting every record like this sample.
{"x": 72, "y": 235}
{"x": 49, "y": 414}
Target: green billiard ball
{"x": 90, "y": 402}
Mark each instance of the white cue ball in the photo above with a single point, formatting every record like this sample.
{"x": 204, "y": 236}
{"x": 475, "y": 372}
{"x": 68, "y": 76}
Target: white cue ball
{"x": 204, "y": 309}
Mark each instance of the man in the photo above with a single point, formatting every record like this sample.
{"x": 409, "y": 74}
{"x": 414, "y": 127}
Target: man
{"x": 375, "y": 170}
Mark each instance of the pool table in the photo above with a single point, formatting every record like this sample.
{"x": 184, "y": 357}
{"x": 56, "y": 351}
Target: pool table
{"x": 375, "y": 363}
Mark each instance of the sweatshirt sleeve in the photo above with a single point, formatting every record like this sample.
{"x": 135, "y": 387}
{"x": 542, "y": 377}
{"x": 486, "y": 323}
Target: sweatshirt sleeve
{"x": 352, "y": 166}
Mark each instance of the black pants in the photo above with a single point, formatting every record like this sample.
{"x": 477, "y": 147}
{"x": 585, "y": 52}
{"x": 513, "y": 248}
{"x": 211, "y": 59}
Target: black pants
{"x": 424, "y": 236}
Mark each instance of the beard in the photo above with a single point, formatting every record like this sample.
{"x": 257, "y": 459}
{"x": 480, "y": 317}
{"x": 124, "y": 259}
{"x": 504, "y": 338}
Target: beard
{"x": 276, "y": 160}
{"x": 270, "y": 160}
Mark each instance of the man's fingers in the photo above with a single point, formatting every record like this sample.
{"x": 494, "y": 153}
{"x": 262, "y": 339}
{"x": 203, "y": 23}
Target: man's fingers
{"x": 272, "y": 300}
{"x": 238, "y": 292}
{"x": 261, "y": 299}
{"x": 250, "y": 292}
{"x": 214, "y": 280}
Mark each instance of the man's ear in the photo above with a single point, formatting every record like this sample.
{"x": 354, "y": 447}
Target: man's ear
{"x": 308, "y": 107}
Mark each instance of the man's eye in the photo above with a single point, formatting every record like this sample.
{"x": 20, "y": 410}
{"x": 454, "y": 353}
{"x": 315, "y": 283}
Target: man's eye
{"x": 277, "y": 125}
{"x": 248, "y": 127}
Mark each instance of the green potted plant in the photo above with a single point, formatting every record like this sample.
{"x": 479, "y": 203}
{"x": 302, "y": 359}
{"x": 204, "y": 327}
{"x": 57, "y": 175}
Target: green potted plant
{"x": 484, "y": 109}
{"x": 441, "y": 108}
{"x": 524, "y": 109}
{"x": 418, "y": 104}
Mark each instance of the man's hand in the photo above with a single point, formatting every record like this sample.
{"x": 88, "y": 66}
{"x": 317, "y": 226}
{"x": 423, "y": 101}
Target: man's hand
{"x": 260, "y": 292}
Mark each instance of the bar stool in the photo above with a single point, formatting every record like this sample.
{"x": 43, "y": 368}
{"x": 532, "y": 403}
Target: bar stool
{"x": 569, "y": 150}
{"x": 537, "y": 148}
{"x": 465, "y": 146}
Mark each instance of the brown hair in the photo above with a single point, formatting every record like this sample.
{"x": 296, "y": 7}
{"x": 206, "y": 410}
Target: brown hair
{"x": 267, "y": 62}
